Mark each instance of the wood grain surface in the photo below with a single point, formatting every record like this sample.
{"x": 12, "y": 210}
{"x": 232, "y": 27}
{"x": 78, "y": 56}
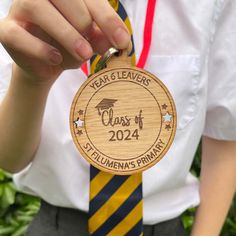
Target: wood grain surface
{"x": 123, "y": 119}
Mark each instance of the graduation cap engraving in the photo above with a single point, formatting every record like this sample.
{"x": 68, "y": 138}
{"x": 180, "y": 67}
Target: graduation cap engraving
{"x": 105, "y": 104}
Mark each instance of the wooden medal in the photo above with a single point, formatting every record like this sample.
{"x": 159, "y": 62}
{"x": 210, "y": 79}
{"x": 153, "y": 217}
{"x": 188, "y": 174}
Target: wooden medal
{"x": 123, "y": 119}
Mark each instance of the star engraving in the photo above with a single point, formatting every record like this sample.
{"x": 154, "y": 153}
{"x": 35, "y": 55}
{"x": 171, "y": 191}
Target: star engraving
{"x": 164, "y": 106}
{"x": 168, "y": 127}
{"x": 167, "y": 117}
{"x": 79, "y": 123}
{"x": 81, "y": 112}
{"x": 80, "y": 132}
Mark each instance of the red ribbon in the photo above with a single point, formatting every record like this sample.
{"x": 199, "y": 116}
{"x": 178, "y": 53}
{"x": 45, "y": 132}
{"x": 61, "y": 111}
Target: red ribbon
{"x": 147, "y": 36}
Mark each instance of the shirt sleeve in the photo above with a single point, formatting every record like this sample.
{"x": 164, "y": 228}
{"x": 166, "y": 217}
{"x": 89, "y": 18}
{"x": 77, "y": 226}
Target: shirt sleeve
{"x": 5, "y": 72}
{"x": 221, "y": 103}
{"x": 5, "y": 60}
{"x": 4, "y": 7}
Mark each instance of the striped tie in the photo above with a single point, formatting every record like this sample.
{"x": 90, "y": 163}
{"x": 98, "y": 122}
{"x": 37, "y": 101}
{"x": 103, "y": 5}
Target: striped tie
{"x": 116, "y": 204}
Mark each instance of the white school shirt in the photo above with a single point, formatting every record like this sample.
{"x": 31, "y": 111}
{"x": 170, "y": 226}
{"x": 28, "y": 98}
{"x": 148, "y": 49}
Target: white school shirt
{"x": 193, "y": 52}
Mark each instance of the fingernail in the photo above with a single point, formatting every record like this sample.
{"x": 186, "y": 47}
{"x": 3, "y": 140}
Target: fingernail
{"x": 55, "y": 57}
{"x": 83, "y": 49}
{"x": 121, "y": 38}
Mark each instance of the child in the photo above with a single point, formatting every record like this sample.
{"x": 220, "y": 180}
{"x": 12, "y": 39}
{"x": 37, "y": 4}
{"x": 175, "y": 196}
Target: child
{"x": 193, "y": 52}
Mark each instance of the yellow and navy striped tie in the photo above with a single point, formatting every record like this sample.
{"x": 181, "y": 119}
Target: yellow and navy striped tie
{"x": 116, "y": 204}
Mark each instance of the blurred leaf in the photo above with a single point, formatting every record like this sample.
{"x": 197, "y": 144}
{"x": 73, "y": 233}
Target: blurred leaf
{"x": 4, "y": 175}
{"x": 8, "y": 195}
{"x": 6, "y": 230}
{"x": 20, "y": 231}
{"x": 1, "y": 190}
{"x": 188, "y": 221}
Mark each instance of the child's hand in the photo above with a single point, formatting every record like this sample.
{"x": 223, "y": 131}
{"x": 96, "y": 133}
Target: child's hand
{"x": 45, "y": 37}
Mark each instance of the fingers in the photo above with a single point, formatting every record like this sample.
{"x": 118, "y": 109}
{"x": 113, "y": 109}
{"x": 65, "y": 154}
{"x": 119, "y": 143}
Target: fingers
{"x": 54, "y": 24}
{"x": 76, "y": 13}
{"x": 111, "y": 31}
{"x": 98, "y": 40}
{"x": 98, "y": 22}
{"x": 109, "y": 22}
{"x": 14, "y": 36}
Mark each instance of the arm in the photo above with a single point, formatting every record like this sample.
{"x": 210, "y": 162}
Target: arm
{"x": 21, "y": 114}
{"x": 217, "y": 186}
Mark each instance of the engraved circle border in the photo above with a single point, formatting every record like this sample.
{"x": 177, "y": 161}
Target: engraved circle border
{"x": 77, "y": 95}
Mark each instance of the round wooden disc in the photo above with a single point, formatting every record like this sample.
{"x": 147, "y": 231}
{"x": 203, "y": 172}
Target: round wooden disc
{"x": 123, "y": 120}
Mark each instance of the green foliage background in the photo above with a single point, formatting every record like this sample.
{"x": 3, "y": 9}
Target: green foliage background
{"x": 17, "y": 209}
